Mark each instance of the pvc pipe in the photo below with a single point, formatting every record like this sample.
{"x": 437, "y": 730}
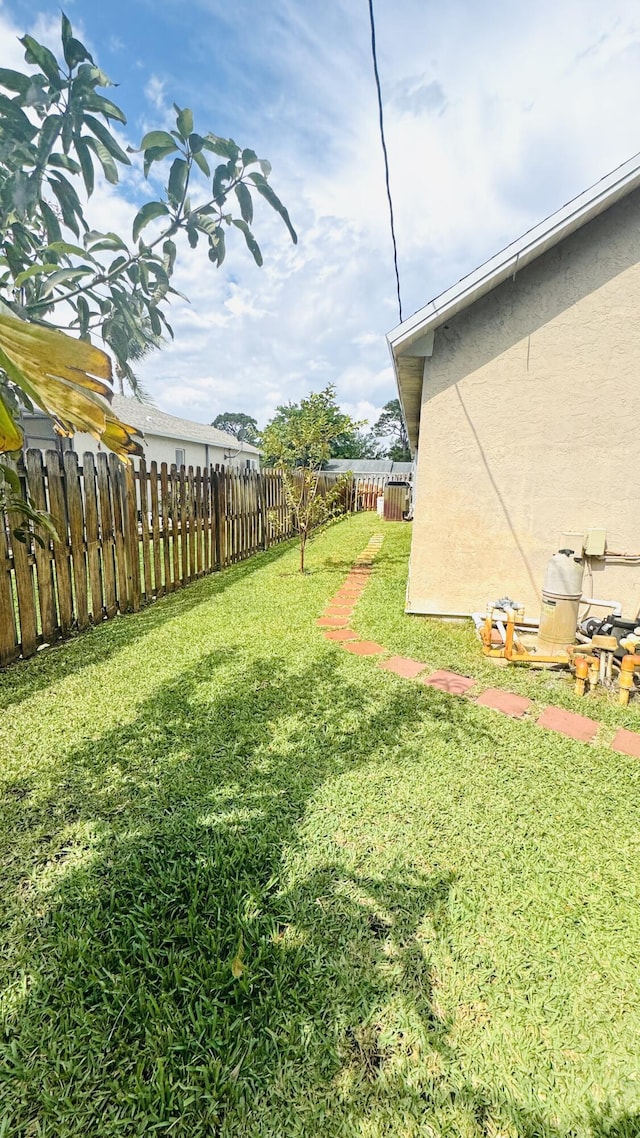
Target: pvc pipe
{"x": 614, "y": 606}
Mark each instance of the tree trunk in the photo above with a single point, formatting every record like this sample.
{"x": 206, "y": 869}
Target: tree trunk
{"x": 303, "y": 541}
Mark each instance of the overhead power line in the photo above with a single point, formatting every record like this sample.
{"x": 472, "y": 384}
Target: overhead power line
{"x": 374, "y": 55}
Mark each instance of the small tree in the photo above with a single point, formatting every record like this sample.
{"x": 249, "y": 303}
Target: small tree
{"x": 243, "y": 427}
{"x": 298, "y": 442}
{"x": 59, "y": 273}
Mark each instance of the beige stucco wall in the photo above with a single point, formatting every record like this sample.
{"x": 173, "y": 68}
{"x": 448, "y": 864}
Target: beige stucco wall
{"x": 530, "y": 408}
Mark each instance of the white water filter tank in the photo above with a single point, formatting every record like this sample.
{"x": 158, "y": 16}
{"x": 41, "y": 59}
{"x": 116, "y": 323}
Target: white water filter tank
{"x": 561, "y": 594}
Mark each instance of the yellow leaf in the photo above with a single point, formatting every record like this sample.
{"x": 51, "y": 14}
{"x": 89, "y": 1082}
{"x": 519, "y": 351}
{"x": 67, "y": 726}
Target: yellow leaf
{"x": 10, "y": 433}
{"x": 65, "y": 377}
{"x": 237, "y": 964}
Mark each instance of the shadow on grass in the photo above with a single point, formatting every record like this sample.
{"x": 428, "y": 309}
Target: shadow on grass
{"x": 22, "y": 679}
{"x": 202, "y": 966}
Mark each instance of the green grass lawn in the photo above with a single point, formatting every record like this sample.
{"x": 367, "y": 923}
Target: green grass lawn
{"x": 255, "y": 886}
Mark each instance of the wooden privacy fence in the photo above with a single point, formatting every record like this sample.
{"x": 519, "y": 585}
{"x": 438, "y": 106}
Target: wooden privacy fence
{"x": 127, "y": 536}
{"x": 367, "y": 489}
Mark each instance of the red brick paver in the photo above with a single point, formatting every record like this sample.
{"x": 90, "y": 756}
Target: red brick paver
{"x": 364, "y": 648}
{"x": 449, "y": 681}
{"x": 403, "y": 666}
{"x": 335, "y": 625}
{"x": 505, "y": 701}
{"x": 627, "y": 743}
{"x": 568, "y": 723}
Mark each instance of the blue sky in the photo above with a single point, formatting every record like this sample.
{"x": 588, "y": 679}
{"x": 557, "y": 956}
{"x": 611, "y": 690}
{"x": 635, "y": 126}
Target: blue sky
{"x": 498, "y": 111}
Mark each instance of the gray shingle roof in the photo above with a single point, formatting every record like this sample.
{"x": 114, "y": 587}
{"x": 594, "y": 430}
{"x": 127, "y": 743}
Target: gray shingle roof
{"x": 151, "y": 421}
{"x": 369, "y": 466}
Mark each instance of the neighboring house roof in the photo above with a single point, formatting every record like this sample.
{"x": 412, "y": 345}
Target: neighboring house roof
{"x": 412, "y": 341}
{"x": 151, "y": 421}
{"x": 369, "y": 466}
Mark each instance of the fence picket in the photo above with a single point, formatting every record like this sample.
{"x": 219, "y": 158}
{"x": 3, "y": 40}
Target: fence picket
{"x": 9, "y": 647}
{"x": 143, "y": 477}
{"x": 76, "y": 532}
{"x": 155, "y": 527}
{"x": 58, "y": 507}
{"x": 93, "y": 534}
{"x": 107, "y": 534}
{"x": 110, "y": 524}
{"x": 43, "y": 553}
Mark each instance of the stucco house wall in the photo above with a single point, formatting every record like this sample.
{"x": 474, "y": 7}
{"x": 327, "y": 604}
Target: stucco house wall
{"x": 160, "y": 448}
{"x": 166, "y": 438}
{"x": 530, "y": 407}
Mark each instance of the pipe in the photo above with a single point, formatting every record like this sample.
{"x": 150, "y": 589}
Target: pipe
{"x": 614, "y": 606}
{"x": 627, "y": 668}
{"x": 582, "y": 673}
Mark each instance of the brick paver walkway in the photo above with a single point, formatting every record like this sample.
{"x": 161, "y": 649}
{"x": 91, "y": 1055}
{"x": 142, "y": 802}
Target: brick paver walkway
{"x": 335, "y": 623}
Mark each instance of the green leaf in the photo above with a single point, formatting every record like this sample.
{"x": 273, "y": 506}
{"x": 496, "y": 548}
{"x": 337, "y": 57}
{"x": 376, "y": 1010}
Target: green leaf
{"x": 107, "y": 241}
{"x": 156, "y": 322}
{"x": 267, "y": 193}
{"x": 51, "y": 223}
{"x": 105, "y": 107}
{"x": 42, "y": 58}
{"x": 265, "y": 166}
{"x": 192, "y": 235}
{"x": 106, "y": 161}
{"x": 217, "y": 247}
{"x": 225, "y": 147}
{"x": 34, "y": 271}
{"x": 156, "y": 154}
{"x": 69, "y": 201}
{"x": 64, "y": 162}
{"x": 15, "y": 81}
{"x": 196, "y": 142}
{"x": 65, "y": 248}
{"x": 67, "y": 30}
{"x": 74, "y": 51}
{"x": 106, "y": 138}
{"x": 16, "y": 126}
{"x": 148, "y": 213}
{"x": 245, "y": 202}
{"x": 201, "y": 161}
{"x": 249, "y": 157}
{"x": 177, "y": 181}
{"x": 170, "y": 252}
{"x": 49, "y": 131}
{"x": 115, "y": 266}
{"x": 220, "y": 176}
{"x": 252, "y": 244}
{"x": 88, "y": 75}
{"x": 184, "y": 122}
{"x": 84, "y": 315}
{"x": 65, "y": 276}
{"x": 86, "y": 164}
{"x": 157, "y": 138}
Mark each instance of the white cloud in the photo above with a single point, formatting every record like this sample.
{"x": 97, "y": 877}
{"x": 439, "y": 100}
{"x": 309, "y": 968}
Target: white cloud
{"x": 495, "y": 114}
{"x": 155, "y": 93}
